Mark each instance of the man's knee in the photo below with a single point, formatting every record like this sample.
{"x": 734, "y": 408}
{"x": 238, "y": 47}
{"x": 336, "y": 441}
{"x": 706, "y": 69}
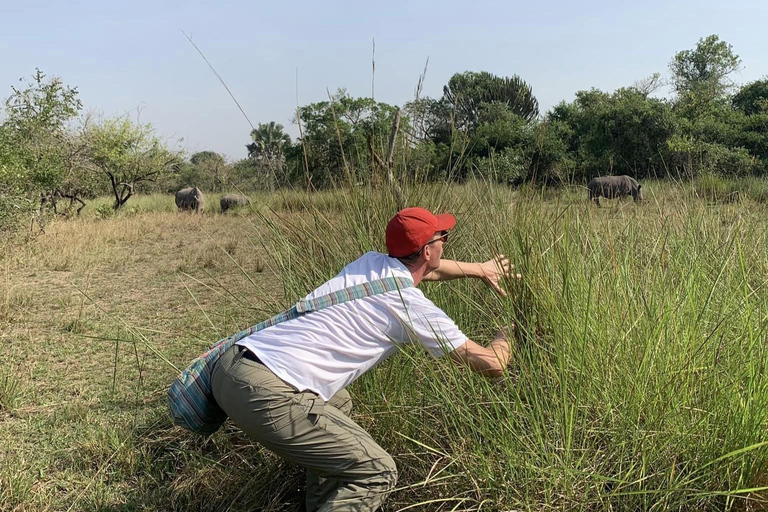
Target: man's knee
{"x": 388, "y": 472}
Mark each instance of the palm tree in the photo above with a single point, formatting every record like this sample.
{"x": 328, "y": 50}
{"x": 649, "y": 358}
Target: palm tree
{"x": 267, "y": 147}
{"x": 268, "y": 141}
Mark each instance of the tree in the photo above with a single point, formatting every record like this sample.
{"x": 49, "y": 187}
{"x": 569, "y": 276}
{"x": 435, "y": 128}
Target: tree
{"x": 212, "y": 168}
{"x": 432, "y": 119}
{"x": 621, "y": 133}
{"x": 39, "y": 148}
{"x": 648, "y": 85}
{"x": 268, "y": 150}
{"x": 127, "y": 155}
{"x": 342, "y": 135}
{"x": 268, "y": 141}
{"x": 468, "y": 91}
{"x": 700, "y": 76}
{"x": 752, "y": 98}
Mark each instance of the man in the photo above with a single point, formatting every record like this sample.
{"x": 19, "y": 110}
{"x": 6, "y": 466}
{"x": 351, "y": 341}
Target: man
{"x": 284, "y": 386}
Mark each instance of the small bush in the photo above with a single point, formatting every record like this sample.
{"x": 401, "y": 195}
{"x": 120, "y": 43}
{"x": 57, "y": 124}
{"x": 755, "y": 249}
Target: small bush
{"x": 10, "y": 391}
{"x": 104, "y": 211}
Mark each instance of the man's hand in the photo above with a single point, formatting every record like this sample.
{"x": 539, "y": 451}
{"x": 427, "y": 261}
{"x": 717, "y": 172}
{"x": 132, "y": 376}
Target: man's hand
{"x": 504, "y": 332}
{"x": 496, "y": 269}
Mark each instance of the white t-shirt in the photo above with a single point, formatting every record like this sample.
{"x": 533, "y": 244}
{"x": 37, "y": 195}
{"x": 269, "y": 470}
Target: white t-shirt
{"x": 324, "y": 351}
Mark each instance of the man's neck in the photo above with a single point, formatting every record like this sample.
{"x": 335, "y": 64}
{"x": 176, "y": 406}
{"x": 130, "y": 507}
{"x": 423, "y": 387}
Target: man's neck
{"x": 417, "y": 272}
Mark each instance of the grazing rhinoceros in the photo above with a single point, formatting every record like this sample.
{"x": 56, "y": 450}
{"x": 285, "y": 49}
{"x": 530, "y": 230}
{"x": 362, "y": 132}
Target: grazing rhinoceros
{"x": 611, "y": 187}
{"x": 190, "y": 198}
{"x": 232, "y": 200}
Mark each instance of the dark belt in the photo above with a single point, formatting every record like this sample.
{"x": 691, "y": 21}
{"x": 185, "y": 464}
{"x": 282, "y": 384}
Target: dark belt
{"x": 249, "y": 355}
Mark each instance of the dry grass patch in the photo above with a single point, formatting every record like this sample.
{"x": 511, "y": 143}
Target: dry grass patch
{"x": 83, "y": 310}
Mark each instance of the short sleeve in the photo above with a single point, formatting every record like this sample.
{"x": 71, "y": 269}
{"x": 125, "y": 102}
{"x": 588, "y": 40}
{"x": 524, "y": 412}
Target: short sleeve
{"x": 430, "y": 326}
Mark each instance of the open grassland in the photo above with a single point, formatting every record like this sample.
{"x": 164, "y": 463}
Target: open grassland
{"x": 638, "y": 380}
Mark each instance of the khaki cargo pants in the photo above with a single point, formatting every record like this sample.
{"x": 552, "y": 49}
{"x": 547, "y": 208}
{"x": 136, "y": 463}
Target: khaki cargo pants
{"x": 346, "y": 469}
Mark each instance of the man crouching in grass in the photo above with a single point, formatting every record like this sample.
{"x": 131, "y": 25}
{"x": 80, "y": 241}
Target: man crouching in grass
{"x": 284, "y": 386}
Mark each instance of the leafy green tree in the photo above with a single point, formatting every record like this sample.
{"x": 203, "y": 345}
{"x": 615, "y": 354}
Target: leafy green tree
{"x": 701, "y": 76}
{"x": 127, "y": 155}
{"x": 621, "y": 133}
{"x": 752, "y": 98}
{"x": 39, "y": 152}
{"x": 431, "y": 119}
{"x": 723, "y": 141}
{"x": 480, "y": 116}
{"x": 14, "y": 200}
{"x": 246, "y": 174}
{"x": 212, "y": 169}
{"x": 343, "y": 137}
{"x": 468, "y": 91}
{"x": 207, "y": 170}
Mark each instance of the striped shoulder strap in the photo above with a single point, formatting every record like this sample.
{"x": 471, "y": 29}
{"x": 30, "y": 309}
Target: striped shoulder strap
{"x": 358, "y": 291}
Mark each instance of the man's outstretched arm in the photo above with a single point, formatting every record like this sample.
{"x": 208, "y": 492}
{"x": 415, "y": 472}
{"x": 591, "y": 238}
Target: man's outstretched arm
{"x": 489, "y": 361}
{"x": 491, "y": 271}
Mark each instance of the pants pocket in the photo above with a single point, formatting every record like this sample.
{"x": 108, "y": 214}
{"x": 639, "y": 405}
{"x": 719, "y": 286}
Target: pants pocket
{"x": 315, "y": 409}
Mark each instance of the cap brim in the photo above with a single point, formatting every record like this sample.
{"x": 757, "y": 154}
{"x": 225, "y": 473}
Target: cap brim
{"x": 445, "y": 221}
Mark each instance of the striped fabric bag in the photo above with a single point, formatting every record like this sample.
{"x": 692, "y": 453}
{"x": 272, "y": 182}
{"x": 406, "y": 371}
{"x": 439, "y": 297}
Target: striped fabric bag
{"x": 190, "y": 397}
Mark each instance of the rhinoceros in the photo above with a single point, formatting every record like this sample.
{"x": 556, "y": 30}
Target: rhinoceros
{"x": 611, "y": 187}
{"x": 190, "y": 198}
{"x": 233, "y": 200}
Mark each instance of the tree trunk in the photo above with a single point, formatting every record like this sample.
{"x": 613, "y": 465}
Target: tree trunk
{"x": 121, "y": 196}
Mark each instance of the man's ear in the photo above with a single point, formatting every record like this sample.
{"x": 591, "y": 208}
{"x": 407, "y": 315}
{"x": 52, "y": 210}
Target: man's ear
{"x": 425, "y": 252}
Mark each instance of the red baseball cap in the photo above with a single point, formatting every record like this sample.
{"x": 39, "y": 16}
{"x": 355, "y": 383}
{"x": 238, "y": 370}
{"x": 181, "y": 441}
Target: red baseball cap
{"x": 411, "y": 228}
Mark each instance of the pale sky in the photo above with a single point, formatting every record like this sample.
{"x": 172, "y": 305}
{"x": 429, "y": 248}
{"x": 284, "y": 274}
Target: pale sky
{"x": 124, "y": 56}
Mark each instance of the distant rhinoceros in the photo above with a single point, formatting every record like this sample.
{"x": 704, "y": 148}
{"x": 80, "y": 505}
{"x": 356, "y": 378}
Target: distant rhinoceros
{"x": 232, "y": 200}
{"x": 190, "y": 198}
{"x": 611, "y": 187}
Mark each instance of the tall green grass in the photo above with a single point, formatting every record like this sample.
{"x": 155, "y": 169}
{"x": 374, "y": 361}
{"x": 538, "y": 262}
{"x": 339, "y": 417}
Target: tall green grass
{"x": 638, "y": 377}
{"x": 638, "y": 380}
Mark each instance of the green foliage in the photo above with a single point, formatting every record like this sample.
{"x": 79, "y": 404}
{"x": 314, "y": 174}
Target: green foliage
{"x": 268, "y": 141}
{"x": 342, "y": 136}
{"x": 508, "y": 165}
{"x": 723, "y": 141}
{"x": 693, "y": 157}
{"x": 268, "y": 153}
{"x": 36, "y": 126}
{"x": 104, "y": 211}
{"x": 752, "y": 98}
{"x": 207, "y": 170}
{"x": 507, "y": 149}
{"x": 128, "y": 154}
{"x": 212, "y": 169}
{"x": 621, "y": 133}
{"x": 39, "y": 155}
{"x": 482, "y": 125}
{"x": 468, "y": 92}
{"x": 432, "y": 119}
{"x": 700, "y": 76}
